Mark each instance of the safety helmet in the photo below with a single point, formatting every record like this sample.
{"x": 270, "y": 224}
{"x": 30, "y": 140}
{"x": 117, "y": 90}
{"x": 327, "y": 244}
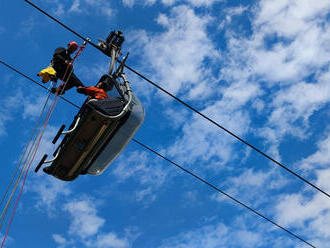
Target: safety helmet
{"x": 73, "y": 44}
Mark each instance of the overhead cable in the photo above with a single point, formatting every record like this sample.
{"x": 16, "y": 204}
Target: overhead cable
{"x": 29, "y": 78}
{"x": 204, "y": 181}
{"x": 190, "y": 107}
{"x": 222, "y": 192}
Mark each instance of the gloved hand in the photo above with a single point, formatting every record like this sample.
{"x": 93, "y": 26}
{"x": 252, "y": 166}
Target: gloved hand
{"x": 81, "y": 89}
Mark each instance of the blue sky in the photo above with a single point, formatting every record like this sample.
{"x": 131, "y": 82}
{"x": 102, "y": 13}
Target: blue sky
{"x": 260, "y": 68}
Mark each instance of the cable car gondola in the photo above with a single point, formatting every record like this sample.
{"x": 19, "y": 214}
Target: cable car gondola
{"x": 100, "y": 130}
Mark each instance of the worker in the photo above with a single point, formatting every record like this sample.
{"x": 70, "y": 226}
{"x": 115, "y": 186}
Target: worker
{"x": 62, "y": 64}
{"x": 99, "y": 91}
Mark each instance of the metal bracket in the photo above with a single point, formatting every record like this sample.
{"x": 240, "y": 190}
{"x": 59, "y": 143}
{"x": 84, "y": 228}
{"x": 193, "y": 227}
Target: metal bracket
{"x": 52, "y": 160}
{"x": 74, "y": 128}
{"x": 120, "y": 69}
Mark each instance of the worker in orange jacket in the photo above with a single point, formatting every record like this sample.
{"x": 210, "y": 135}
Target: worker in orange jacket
{"x": 99, "y": 91}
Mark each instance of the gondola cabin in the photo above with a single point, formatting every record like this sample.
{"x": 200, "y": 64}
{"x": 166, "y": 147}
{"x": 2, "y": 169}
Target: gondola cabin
{"x": 97, "y": 135}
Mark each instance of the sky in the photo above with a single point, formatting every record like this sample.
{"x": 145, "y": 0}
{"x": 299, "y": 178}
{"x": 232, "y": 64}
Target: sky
{"x": 259, "y": 68}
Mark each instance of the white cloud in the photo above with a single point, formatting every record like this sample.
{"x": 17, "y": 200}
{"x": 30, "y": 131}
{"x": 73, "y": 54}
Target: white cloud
{"x": 100, "y": 6}
{"x": 230, "y": 12}
{"x": 85, "y": 222}
{"x": 110, "y": 240}
{"x": 252, "y": 67}
{"x": 289, "y": 18}
{"x": 177, "y": 117}
{"x": 58, "y": 8}
{"x": 249, "y": 179}
{"x": 185, "y": 35}
{"x": 194, "y": 3}
{"x": 287, "y": 61}
{"x": 9, "y": 105}
{"x": 293, "y": 106}
{"x": 146, "y": 193}
{"x": 200, "y": 142}
{"x": 61, "y": 241}
{"x": 168, "y": 2}
{"x": 87, "y": 7}
{"x": 308, "y": 40}
{"x": 75, "y": 7}
{"x": 49, "y": 190}
{"x": 309, "y": 215}
{"x": 203, "y": 141}
{"x": 206, "y": 3}
{"x": 3, "y": 120}
{"x": 244, "y": 231}
{"x": 86, "y": 226}
{"x": 33, "y": 106}
{"x": 177, "y": 55}
{"x": 319, "y": 159}
{"x": 252, "y": 187}
{"x": 149, "y": 173}
{"x": 236, "y": 10}
{"x": 295, "y": 209}
{"x": 139, "y": 164}
{"x": 288, "y": 43}
{"x": 322, "y": 179}
{"x": 239, "y": 234}
{"x": 129, "y": 3}
{"x": 310, "y": 210}
{"x": 207, "y": 237}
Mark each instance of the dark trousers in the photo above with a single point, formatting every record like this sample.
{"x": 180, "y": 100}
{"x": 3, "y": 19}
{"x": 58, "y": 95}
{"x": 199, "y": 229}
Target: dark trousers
{"x": 70, "y": 78}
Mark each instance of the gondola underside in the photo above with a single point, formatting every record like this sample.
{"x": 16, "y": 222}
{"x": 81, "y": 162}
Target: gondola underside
{"x": 97, "y": 139}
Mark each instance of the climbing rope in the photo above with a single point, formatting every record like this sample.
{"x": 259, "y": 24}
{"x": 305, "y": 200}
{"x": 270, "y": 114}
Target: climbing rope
{"x": 35, "y": 146}
{"x": 20, "y": 169}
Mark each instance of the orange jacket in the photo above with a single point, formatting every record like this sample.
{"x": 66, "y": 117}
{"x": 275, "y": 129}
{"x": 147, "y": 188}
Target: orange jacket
{"x": 93, "y": 92}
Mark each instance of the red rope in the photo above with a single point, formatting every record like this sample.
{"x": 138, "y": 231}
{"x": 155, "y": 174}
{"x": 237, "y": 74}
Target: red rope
{"x": 50, "y": 111}
{"x": 25, "y": 176}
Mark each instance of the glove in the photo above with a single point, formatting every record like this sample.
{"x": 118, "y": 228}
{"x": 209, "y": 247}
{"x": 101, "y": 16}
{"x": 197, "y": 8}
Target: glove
{"x": 81, "y": 89}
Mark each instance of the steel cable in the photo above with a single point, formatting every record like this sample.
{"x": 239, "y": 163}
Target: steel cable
{"x": 217, "y": 189}
{"x": 191, "y": 108}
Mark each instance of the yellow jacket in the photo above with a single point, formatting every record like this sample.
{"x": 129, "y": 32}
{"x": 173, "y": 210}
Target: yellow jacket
{"x": 47, "y": 74}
